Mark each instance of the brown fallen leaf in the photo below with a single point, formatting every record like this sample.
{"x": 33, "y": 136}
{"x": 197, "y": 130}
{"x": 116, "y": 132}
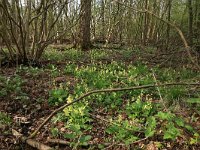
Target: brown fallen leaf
{"x": 151, "y": 146}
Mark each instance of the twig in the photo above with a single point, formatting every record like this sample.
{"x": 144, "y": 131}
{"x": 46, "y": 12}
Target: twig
{"x": 111, "y": 145}
{"x": 161, "y": 98}
{"x": 121, "y": 144}
{"x": 58, "y": 141}
{"x": 106, "y": 91}
{"x": 64, "y": 142}
{"x": 140, "y": 140}
{"x": 102, "y": 119}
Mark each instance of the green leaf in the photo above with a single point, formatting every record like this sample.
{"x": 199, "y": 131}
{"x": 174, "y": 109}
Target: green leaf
{"x": 54, "y": 132}
{"x": 196, "y": 135}
{"x": 194, "y": 140}
{"x": 84, "y": 143}
{"x": 151, "y": 125}
{"x": 112, "y": 129}
{"x": 168, "y": 135}
{"x": 180, "y": 122}
{"x": 149, "y": 132}
{"x": 85, "y": 138}
{"x": 66, "y": 111}
{"x": 159, "y": 145}
{"x": 188, "y": 127}
{"x": 70, "y": 136}
{"x": 3, "y": 92}
{"x": 100, "y": 146}
{"x": 5, "y": 119}
{"x": 194, "y": 100}
{"x": 75, "y": 128}
{"x": 172, "y": 132}
{"x": 88, "y": 137}
{"x": 165, "y": 115}
{"x": 130, "y": 140}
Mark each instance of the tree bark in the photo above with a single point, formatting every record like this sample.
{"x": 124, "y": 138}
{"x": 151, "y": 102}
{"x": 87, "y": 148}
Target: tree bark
{"x": 103, "y": 34}
{"x": 169, "y": 20}
{"x": 145, "y": 31}
{"x": 85, "y": 19}
{"x": 190, "y": 22}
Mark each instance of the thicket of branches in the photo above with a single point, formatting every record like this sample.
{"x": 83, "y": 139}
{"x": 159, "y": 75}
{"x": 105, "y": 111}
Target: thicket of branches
{"x": 27, "y": 27}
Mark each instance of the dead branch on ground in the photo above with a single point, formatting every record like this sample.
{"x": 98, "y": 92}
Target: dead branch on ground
{"x": 31, "y": 142}
{"x": 107, "y": 91}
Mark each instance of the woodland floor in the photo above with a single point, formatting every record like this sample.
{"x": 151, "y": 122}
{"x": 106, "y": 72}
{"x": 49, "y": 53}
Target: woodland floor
{"x": 34, "y": 107}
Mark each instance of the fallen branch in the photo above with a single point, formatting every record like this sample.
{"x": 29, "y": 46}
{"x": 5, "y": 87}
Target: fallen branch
{"x": 64, "y": 142}
{"x": 31, "y": 142}
{"x": 107, "y": 91}
{"x": 58, "y": 141}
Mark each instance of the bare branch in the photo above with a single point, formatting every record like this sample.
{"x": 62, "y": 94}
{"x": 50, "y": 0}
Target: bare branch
{"x": 31, "y": 142}
{"x": 107, "y": 91}
{"x": 187, "y": 47}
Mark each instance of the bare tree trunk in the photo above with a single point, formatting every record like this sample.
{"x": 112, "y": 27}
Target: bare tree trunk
{"x": 85, "y": 42}
{"x": 145, "y": 30}
{"x": 103, "y": 20}
{"x": 169, "y": 20}
{"x": 27, "y": 28}
{"x": 190, "y": 22}
{"x": 197, "y": 28}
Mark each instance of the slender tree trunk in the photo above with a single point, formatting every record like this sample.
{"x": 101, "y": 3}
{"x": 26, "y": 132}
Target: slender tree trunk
{"x": 145, "y": 31}
{"x": 169, "y": 20}
{"x": 27, "y": 34}
{"x": 190, "y": 22}
{"x": 103, "y": 35}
